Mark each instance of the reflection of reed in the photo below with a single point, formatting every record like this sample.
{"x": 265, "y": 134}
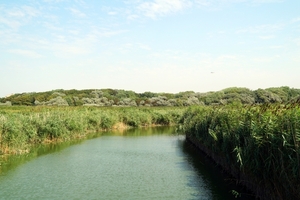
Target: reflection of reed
{"x": 9, "y": 162}
{"x": 213, "y": 177}
{"x": 220, "y": 181}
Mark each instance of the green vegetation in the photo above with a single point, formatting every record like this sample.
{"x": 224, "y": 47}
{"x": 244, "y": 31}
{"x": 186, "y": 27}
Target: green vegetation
{"x": 21, "y": 127}
{"x": 254, "y": 135}
{"x": 259, "y": 145}
{"x": 110, "y": 97}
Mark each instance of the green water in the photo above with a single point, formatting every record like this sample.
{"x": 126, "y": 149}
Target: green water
{"x": 137, "y": 164}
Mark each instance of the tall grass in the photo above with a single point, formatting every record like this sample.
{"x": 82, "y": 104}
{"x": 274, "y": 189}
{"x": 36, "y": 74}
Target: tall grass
{"x": 22, "y": 126}
{"x": 261, "y": 143}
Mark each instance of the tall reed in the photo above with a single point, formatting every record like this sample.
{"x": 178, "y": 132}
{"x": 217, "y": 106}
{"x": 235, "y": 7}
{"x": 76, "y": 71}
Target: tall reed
{"x": 262, "y": 142}
{"x": 22, "y": 126}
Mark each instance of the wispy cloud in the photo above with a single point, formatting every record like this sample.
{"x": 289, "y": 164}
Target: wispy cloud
{"x": 144, "y": 47}
{"x": 64, "y": 50}
{"x": 266, "y": 28}
{"x": 162, "y": 7}
{"x": 109, "y": 33}
{"x": 77, "y": 13}
{"x": 266, "y": 59}
{"x": 276, "y": 47}
{"x": 131, "y": 47}
{"x": 11, "y": 23}
{"x": 26, "y": 53}
{"x": 266, "y": 37}
{"x": 15, "y": 13}
{"x": 297, "y": 41}
{"x": 30, "y": 11}
{"x": 16, "y": 17}
{"x": 203, "y": 2}
{"x": 112, "y": 13}
{"x": 295, "y": 20}
{"x": 266, "y": 1}
{"x": 132, "y": 16}
{"x": 219, "y": 4}
{"x": 53, "y": 1}
{"x": 21, "y": 12}
{"x": 52, "y": 26}
{"x": 77, "y": 43}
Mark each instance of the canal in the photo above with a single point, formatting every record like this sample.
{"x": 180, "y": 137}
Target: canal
{"x": 152, "y": 163}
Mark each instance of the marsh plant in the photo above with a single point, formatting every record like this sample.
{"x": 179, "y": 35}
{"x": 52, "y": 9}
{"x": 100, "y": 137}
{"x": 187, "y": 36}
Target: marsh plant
{"x": 260, "y": 142}
{"x": 21, "y": 127}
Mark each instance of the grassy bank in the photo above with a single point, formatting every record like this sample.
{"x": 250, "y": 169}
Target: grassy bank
{"x": 21, "y": 127}
{"x": 259, "y": 145}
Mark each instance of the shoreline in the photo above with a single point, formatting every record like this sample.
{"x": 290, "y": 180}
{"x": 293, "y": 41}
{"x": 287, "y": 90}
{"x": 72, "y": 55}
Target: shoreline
{"x": 242, "y": 179}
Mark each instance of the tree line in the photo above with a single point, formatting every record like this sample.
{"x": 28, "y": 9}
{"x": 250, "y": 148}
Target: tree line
{"x": 115, "y": 97}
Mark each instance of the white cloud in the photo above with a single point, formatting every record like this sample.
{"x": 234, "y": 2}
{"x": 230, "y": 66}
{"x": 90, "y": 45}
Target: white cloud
{"x": 132, "y": 17}
{"x": 144, "y": 46}
{"x": 265, "y": 59}
{"x": 276, "y": 47}
{"x": 74, "y": 32}
{"x": 15, "y": 13}
{"x": 14, "y": 24}
{"x": 112, "y": 13}
{"x": 16, "y": 17}
{"x": 71, "y": 50}
{"x": 131, "y": 47}
{"x": 30, "y": 11}
{"x": 266, "y": 1}
{"x": 96, "y": 34}
{"x": 53, "y": 1}
{"x": 218, "y": 4}
{"x": 295, "y": 20}
{"x": 51, "y": 26}
{"x": 26, "y": 53}
{"x": 203, "y": 2}
{"x": 266, "y": 37}
{"x": 77, "y": 13}
{"x": 297, "y": 41}
{"x": 266, "y": 28}
{"x": 162, "y": 7}
{"x": 24, "y": 11}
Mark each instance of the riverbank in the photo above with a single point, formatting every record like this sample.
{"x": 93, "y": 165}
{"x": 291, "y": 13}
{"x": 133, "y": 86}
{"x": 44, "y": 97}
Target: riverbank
{"x": 240, "y": 179}
{"x": 138, "y": 163}
{"x": 22, "y": 127}
{"x": 258, "y": 145}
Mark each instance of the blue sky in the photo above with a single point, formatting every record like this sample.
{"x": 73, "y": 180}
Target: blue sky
{"x": 148, "y": 45}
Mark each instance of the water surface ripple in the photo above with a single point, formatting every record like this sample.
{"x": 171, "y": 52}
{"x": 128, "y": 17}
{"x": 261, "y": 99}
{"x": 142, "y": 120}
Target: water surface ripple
{"x": 128, "y": 166}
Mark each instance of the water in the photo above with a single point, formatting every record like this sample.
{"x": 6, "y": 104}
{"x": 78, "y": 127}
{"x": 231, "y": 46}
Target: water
{"x": 137, "y": 164}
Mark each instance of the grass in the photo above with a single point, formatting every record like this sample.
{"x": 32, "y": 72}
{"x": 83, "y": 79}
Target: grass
{"x": 261, "y": 142}
{"x": 20, "y": 127}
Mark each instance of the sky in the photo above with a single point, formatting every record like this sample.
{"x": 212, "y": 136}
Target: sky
{"x": 148, "y": 45}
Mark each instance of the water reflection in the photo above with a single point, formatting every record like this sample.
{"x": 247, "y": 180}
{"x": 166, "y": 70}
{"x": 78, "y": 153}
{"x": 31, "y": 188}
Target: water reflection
{"x": 219, "y": 183}
{"x": 149, "y": 163}
{"x": 11, "y": 162}
{"x": 144, "y": 131}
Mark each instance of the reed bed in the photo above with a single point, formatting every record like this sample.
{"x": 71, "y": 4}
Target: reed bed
{"x": 257, "y": 144}
{"x": 21, "y": 127}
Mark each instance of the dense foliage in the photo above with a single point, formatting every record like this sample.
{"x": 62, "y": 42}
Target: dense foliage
{"x": 255, "y": 135}
{"x": 20, "y": 127}
{"x": 258, "y": 144}
{"x": 110, "y": 97}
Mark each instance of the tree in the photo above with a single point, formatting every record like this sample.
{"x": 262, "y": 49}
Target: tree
{"x": 265, "y": 96}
